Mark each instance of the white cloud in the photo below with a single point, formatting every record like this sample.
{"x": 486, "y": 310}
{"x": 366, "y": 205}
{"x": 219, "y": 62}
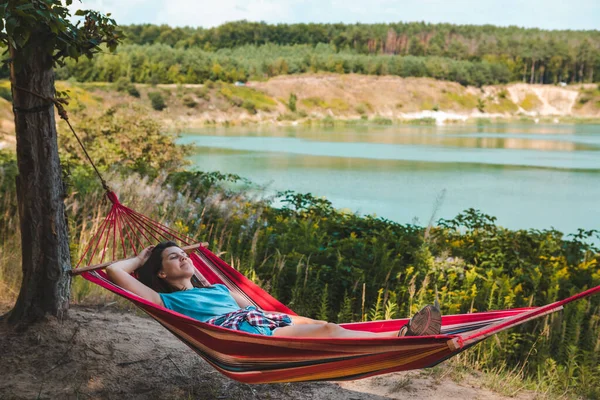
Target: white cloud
{"x": 548, "y": 14}
{"x": 124, "y": 12}
{"x": 212, "y": 13}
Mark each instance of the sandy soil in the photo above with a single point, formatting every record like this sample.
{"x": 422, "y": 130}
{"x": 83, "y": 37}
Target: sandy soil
{"x": 106, "y": 353}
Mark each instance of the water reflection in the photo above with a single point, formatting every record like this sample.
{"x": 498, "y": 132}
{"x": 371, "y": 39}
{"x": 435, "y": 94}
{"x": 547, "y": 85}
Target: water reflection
{"x": 502, "y": 136}
{"x": 527, "y": 178}
{"x": 582, "y": 159}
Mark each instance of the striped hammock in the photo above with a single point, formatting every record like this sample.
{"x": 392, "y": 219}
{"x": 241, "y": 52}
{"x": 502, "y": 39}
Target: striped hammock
{"x": 253, "y": 358}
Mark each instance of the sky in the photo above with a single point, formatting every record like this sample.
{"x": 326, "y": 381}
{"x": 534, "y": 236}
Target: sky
{"x": 545, "y": 14}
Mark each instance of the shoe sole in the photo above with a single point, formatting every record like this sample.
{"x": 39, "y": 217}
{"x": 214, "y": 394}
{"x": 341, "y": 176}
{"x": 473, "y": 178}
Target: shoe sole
{"x": 428, "y": 321}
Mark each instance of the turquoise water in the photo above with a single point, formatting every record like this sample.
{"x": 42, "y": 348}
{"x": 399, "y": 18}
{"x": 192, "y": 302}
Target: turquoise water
{"x": 528, "y": 176}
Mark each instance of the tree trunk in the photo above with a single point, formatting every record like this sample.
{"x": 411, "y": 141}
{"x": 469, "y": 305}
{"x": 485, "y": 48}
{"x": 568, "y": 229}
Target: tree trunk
{"x": 531, "y": 79}
{"x": 40, "y": 192}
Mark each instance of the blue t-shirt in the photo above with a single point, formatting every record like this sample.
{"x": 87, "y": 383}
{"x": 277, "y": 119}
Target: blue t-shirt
{"x": 201, "y": 303}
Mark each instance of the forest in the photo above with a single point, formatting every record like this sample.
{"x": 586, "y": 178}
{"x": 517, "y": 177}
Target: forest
{"x": 241, "y": 51}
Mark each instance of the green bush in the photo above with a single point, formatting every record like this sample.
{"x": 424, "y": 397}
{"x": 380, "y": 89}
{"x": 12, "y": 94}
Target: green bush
{"x": 584, "y": 100}
{"x": 481, "y": 105}
{"x": 123, "y": 138}
{"x": 381, "y": 121}
{"x": 289, "y": 116}
{"x": 361, "y": 109}
{"x": 132, "y": 90}
{"x": 157, "y": 101}
{"x": 236, "y": 101}
{"x": 189, "y": 101}
{"x": 292, "y": 102}
{"x": 249, "y": 106}
{"x": 328, "y": 121}
{"x": 203, "y": 93}
{"x": 422, "y": 121}
{"x": 122, "y": 84}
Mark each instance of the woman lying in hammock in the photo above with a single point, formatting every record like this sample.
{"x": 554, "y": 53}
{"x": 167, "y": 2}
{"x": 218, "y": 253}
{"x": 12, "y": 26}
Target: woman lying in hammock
{"x": 166, "y": 277}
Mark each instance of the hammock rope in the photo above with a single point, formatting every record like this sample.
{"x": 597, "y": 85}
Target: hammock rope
{"x": 259, "y": 359}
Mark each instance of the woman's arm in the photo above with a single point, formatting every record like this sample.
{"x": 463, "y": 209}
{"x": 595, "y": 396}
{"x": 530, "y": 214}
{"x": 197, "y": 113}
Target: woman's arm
{"x": 298, "y": 320}
{"x": 120, "y": 271}
{"x": 240, "y": 300}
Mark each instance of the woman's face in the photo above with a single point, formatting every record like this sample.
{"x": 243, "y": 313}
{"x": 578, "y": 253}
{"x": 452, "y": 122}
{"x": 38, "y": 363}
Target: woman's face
{"x": 176, "y": 264}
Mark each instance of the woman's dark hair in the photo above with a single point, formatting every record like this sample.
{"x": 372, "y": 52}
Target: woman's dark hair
{"x": 148, "y": 273}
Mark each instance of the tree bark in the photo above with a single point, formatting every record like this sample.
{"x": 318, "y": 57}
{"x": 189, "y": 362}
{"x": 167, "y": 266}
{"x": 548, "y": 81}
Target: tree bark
{"x": 40, "y": 191}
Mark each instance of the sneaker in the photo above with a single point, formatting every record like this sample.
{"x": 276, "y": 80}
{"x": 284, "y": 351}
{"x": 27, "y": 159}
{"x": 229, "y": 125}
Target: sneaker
{"x": 428, "y": 321}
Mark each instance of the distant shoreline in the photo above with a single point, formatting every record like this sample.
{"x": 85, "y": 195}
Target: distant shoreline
{"x": 325, "y": 99}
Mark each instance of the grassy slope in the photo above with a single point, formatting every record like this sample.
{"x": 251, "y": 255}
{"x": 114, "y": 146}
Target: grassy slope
{"x": 330, "y": 95}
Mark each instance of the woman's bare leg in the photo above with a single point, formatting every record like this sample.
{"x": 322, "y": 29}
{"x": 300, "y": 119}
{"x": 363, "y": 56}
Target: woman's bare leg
{"x": 326, "y": 330}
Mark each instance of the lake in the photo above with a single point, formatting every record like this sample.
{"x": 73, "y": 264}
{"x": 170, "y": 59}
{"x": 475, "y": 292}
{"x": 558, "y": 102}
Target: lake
{"x": 527, "y": 175}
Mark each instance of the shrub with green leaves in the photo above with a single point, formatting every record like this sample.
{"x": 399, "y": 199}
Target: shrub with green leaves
{"x": 122, "y": 138}
{"x": 249, "y": 106}
{"x": 123, "y": 84}
{"x": 157, "y": 101}
{"x": 132, "y": 91}
{"x": 481, "y": 105}
{"x": 378, "y": 120}
{"x": 189, "y": 101}
{"x": 203, "y": 93}
{"x": 292, "y": 102}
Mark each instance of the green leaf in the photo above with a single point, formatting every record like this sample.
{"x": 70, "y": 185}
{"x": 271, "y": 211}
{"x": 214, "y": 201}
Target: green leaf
{"x": 43, "y": 13}
{"x": 11, "y": 24}
{"x": 22, "y": 37}
{"x": 80, "y": 13}
{"x": 25, "y": 7}
{"x": 72, "y": 52}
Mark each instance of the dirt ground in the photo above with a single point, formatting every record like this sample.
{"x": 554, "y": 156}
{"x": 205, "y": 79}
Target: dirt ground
{"x": 103, "y": 352}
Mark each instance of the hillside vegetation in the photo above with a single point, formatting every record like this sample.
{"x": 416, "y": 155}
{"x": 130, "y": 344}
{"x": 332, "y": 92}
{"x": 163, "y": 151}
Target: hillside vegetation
{"x": 326, "y": 99}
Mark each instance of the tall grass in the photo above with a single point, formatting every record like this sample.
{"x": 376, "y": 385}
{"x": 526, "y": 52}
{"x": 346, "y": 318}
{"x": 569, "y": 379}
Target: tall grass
{"x": 10, "y": 251}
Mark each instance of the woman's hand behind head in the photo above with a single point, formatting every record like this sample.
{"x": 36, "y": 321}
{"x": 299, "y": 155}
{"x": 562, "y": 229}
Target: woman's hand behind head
{"x": 145, "y": 255}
